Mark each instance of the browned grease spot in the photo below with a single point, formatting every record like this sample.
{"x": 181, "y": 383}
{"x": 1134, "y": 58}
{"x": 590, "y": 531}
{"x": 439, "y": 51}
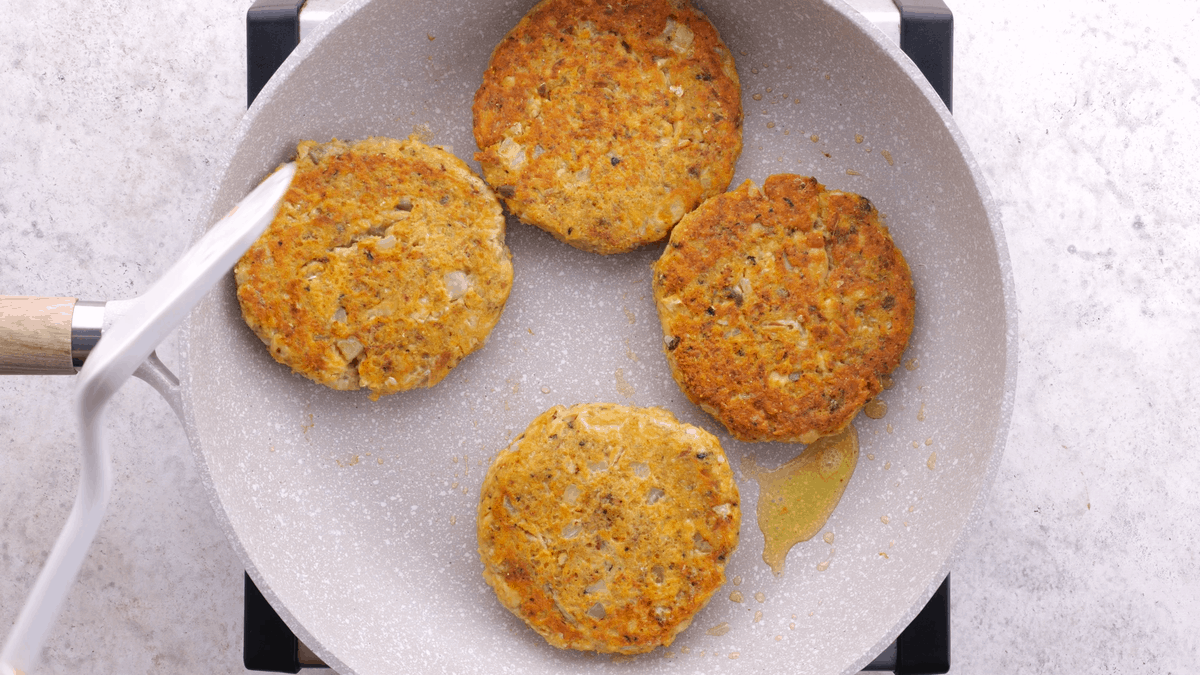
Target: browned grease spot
{"x": 624, "y": 388}
{"x": 719, "y": 629}
{"x": 887, "y": 155}
{"x": 422, "y": 133}
{"x": 797, "y": 499}
{"x": 875, "y": 409}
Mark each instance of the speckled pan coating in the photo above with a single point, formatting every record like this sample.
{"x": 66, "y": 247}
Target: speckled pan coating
{"x": 357, "y": 521}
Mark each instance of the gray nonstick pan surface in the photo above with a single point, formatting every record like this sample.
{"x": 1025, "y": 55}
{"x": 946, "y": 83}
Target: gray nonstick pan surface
{"x": 357, "y": 518}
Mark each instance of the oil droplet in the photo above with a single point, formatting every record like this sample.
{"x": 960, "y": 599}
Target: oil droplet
{"x": 852, "y": 172}
{"x": 719, "y": 629}
{"x": 797, "y": 499}
{"x": 828, "y": 537}
{"x": 888, "y": 156}
{"x": 757, "y": 97}
{"x": 814, "y": 138}
{"x": 758, "y": 616}
{"x": 921, "y": 412}
{"x": 929, "y": 441}
{"x": 911, "y": 365}
{"x": 545, "y": 390}
{"x": 858, "y": 138}
{"x": 871, "y": 457}
{"x": 885, "y": 520}
{"x": 932, "y": 463}
{"x": 453, "y": 519}
{"x": 821, "y": 567}
{"x": 875, "y": 409}
{"x": 737, "y": 581}
{"x": 736, "y": 596}
{"x": 770, "y": 125}
{"x": 734, "y": 655}
{"x": 760, "y": 596}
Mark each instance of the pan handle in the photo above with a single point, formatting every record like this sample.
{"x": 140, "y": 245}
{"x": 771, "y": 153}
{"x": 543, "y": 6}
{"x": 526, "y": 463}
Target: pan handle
{"x": 53, "y": 336}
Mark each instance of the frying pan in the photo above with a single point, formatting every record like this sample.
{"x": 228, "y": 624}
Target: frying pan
{"x": 356, "y": 518}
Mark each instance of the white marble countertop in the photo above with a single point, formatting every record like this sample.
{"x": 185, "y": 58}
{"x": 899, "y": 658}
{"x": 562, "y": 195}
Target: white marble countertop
{"x": 1083, "y": 116}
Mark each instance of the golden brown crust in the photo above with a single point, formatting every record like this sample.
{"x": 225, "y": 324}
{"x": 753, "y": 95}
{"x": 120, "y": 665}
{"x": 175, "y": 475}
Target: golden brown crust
{"x": 603, "y": 123}
{"x": 606, "y": 527}
{"x": 783, "y": 307}
{"x": 384, "y": 267}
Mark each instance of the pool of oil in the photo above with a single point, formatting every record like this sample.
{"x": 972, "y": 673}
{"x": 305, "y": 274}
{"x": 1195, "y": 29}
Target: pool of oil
{"x": 795, "y": 500}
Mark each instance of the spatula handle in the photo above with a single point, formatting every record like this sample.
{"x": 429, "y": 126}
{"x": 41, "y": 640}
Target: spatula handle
{"x": 35, "y": 335}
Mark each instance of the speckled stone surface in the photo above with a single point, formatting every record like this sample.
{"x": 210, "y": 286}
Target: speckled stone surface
{"x": 1082, "y": 118}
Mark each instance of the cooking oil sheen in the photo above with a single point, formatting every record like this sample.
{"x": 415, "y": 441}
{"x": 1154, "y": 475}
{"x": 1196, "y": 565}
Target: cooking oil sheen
{"x": 795, "y": 500}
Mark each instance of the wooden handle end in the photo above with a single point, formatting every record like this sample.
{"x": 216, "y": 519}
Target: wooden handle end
{"x": 35, "y": 335}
